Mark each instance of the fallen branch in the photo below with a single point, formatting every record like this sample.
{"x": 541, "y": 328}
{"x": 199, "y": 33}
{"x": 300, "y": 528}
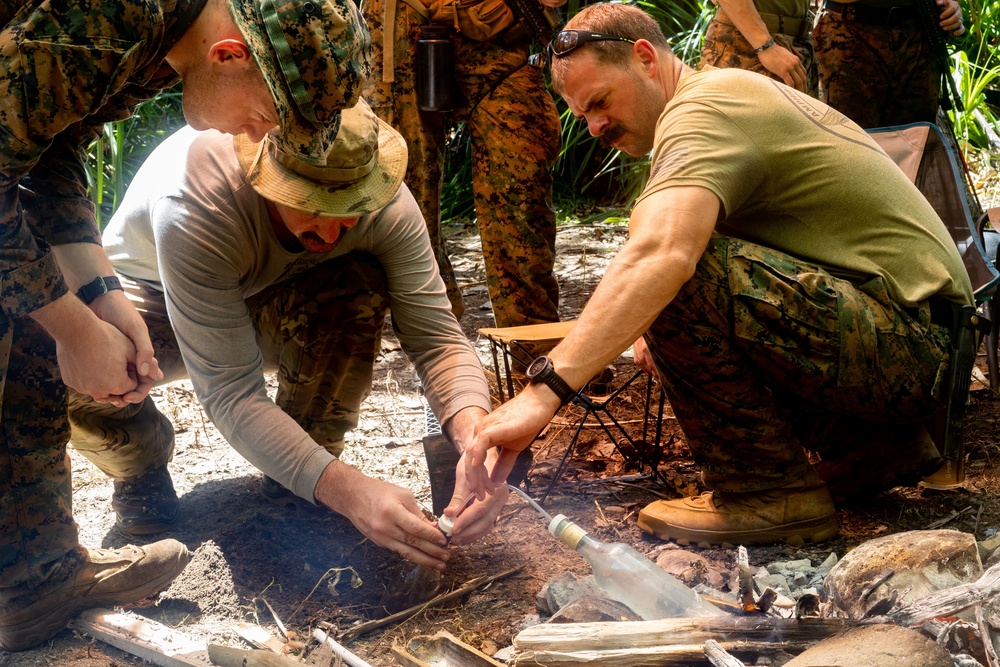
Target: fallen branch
{"x": 400, "y": 616}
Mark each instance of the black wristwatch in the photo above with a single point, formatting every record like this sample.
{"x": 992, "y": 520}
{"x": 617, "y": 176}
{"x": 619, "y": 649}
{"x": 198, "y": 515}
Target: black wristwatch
{"x": 97, "y": 287}
{"x": 542, "y": 370}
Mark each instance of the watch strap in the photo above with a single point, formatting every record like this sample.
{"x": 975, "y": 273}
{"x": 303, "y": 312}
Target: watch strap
{"x": 97, "y": 287}
{"x": 548, "y": 376}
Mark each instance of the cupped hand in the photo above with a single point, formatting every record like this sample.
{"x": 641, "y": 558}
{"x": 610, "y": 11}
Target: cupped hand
{"x": 116, "y": 309}
{"x": 390, "y": 517}
{"x": 478, "y": 518}
{"x": 780, "y": 61}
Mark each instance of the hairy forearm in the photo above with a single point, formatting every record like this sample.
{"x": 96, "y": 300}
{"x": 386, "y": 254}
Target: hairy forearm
{"x": 746, "y": 18}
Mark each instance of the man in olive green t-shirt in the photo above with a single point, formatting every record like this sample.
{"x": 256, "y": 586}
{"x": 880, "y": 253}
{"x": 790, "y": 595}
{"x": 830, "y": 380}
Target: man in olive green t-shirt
{"x": 779, "y": 266}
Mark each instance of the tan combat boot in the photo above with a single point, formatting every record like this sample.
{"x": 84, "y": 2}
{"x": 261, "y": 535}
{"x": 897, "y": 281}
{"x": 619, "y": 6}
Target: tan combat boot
{"x": 109, "y": 577}
{"x": 797, "y": 512}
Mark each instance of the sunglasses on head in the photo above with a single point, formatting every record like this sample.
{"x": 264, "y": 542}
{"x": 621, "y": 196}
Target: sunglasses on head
{"x": 567, "y": 41}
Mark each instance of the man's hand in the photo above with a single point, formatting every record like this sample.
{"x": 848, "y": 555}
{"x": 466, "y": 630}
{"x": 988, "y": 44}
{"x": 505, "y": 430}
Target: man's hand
{"x": 511, "y": 427}
{"x": 951, "y": 17}
{"x": 642, "y": 358}
{"x": 480, "y": 517}
{"x": 116, "y": 309}
{"x": 385, "y": 513}
{"x": 780, "y": 61}
{"x": 95, "y": 358}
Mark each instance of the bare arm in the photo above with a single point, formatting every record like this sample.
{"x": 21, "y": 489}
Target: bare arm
{"x": 81, "y": 263}
{"x": 777, "y": 59}
{"x": 668, "y": 232}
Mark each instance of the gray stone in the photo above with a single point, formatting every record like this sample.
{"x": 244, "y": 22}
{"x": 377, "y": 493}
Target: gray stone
{"x": 691, "y": 568}
{"x": 922, "y": 561}
{"x": 875, "y": 646}
{"x": 592, "y": 609}
{"x": 563, "y": 589}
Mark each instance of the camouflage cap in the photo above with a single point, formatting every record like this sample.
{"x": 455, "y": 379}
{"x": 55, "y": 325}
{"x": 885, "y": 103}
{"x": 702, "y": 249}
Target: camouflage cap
{"x": 315, "y": 56}
{"x": 362, "y": 170}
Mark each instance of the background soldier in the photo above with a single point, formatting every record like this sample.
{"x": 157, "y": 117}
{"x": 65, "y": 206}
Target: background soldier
{"x": 770, "y": 37}
{"x": 875, "y": 61}
{"x": 515, "y": 135}
{"x": 66, "y": 69}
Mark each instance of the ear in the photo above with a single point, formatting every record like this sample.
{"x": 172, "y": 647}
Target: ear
{"x": 229, "y": 51}
{"x": 647, "y": 56}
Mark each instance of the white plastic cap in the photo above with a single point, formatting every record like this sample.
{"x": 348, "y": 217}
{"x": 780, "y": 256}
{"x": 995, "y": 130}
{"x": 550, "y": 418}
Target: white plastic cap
{"x": 446, "y": 524}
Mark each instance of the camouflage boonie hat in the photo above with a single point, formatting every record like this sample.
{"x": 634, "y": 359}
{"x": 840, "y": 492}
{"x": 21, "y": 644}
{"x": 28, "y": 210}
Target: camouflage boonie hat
{"x": 361, "y": 173}
{"x": 315, "y": 56}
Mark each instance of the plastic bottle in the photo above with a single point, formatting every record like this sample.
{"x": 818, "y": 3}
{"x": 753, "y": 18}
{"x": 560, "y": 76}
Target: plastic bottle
{"x": 631, "y": 578}
{"x": 436, "y": 90}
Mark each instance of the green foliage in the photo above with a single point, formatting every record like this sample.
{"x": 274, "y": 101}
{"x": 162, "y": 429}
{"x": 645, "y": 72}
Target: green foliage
{"x": 975, "y": 66}
{"x": 118, "y": 153}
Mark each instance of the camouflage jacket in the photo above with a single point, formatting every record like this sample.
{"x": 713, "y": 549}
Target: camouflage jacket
{"x": 67, "y": 68}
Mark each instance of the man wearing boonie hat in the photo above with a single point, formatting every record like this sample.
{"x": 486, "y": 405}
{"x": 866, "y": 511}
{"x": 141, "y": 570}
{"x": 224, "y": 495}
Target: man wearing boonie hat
{"x": 263, "y": 261}
{"x": 67, "y": 68}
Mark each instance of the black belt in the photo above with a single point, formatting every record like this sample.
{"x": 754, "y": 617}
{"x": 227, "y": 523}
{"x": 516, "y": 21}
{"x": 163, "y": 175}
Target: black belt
{"x": 868, "y": 15}
{"x": 942, "y": 311}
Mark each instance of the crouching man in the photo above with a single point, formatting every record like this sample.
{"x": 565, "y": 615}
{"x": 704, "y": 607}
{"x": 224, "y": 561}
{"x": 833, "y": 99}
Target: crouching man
{"x": 779, "y": 264}
{"x": 241, "y": 258}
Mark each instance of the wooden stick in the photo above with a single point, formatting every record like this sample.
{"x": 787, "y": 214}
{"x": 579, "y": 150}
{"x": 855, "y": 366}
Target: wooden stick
{"x": 949, "y": 601}
{"x": 400, "y": 616}
{"x": 349, "y": 658}
{"x": 579, "y": 637}
{"x": 984, "y": 631}
{"x": 142, "y": 637}
{"x": 719, "y": 656}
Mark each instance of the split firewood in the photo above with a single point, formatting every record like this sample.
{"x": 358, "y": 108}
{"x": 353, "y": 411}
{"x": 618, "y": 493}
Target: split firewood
{"x": 142, "y": 637}
{"x": 668, "y": 641}
{"x": 949, "y": 601}
{"x": 720, "y": 657}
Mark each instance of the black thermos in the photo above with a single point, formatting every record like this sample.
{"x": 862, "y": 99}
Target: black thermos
{"x": 436, "y": 69}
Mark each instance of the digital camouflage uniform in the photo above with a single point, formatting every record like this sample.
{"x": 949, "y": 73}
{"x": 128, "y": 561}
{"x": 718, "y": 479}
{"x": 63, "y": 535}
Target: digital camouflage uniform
{"x": 321, "y": 330}
{"x": 515, "y": 135}
{"x": 67, "y": 68}
{"x": 770, "y": 362}
{"x": 55, "y": 75}
{"x": 725, "y": 46}
{"x": 877, "y": 75}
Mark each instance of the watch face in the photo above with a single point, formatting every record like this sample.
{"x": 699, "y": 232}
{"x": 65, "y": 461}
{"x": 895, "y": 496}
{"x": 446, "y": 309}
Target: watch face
{"x": 536, "y": 367}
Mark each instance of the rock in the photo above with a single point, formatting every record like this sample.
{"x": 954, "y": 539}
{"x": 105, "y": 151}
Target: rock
{"x": 875, "y": 646}
{"x": 922, "y": 561}
{"x": 590, "y": 609}
{"x": 563, "y": 589}
{"x": 691, "y": 568}
{"x": 988, "y": 549}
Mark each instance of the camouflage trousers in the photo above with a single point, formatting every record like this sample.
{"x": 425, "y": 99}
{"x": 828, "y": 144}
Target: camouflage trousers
{"x": 876, "y": 75}
{"x": 757, "y": 339}
{"x": 725, "y": 46}
{"x": 39, "y": 544}
{"x": 515, "y": 134}
{"x": 321, "y": 330}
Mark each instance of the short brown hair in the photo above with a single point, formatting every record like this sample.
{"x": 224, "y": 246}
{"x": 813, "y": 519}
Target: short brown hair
{"x": 614, "y": 19}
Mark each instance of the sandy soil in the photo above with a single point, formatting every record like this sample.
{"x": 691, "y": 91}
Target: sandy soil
{"x": 248, "y": 552}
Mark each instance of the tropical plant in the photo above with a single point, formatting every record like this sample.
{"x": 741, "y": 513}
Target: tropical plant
{"x": 976, "y": 70}
{"x": 119, "y": 152}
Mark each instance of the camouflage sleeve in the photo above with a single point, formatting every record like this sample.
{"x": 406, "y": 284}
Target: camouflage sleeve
{"x": 54, "y": 77}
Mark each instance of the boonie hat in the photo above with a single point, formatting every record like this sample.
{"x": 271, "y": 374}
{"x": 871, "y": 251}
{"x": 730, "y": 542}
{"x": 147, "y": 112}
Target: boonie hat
{"x": 315, "y": 56}
{"x": 362, "y": 170}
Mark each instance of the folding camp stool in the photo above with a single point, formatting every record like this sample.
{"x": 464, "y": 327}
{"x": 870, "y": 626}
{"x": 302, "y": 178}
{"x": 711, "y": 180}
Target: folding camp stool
{"x": 513, "y": 345}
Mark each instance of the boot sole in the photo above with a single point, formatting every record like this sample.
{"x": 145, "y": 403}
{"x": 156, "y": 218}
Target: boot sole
{"x": 796, "y": 534}
{"x": 31, "y": 633}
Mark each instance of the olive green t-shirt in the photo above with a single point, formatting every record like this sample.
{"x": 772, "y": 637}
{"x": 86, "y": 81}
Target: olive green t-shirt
{"x": 797, "y": 176}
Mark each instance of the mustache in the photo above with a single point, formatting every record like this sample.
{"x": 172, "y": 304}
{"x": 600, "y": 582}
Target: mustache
{"x": 611, "y": 135}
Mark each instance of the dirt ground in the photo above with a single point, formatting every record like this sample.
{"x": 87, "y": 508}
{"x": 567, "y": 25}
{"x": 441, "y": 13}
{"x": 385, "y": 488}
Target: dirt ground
{"x": 248, "y": 552}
